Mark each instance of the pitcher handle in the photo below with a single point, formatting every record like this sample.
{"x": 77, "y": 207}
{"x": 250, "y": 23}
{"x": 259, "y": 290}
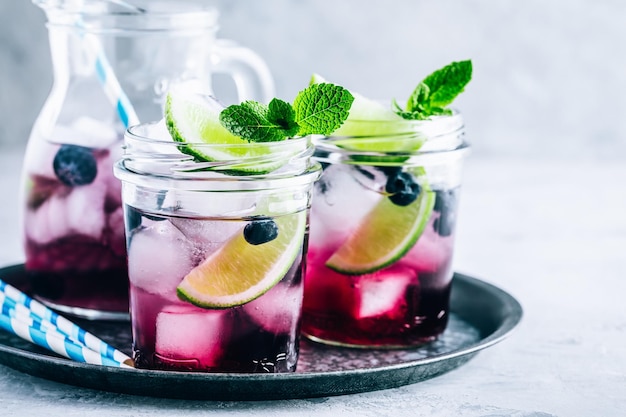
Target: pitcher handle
{"x": 248, "y": 70}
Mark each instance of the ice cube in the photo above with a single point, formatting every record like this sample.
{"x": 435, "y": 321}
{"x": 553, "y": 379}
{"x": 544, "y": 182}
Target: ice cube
{"x": 192, "y": 337}
{"x": 106, "y": 177}
{"x": 209, "y": 235}
{"x": 277, "y": 310}
{"x": 325, "y": 289}
{"x": 232, "y": 204}
{"x": 159, "y": 130}
{"x": 80, "y": 212}
{"x": 340, "y": 202}
{"x": 84, "y": 210}
{"x": 159, "y": 257}
{"x": 383, "y": 292}
{"x": 431, "y": 252}
{"x": 115, "y": 229}
{"x": 84, "y": 131}
{"x": 88, "y": 132}
{"x": 48, "y": 222}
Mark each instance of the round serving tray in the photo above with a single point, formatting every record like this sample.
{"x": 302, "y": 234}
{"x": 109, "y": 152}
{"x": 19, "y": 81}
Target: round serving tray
{"x": 482, "y": 315}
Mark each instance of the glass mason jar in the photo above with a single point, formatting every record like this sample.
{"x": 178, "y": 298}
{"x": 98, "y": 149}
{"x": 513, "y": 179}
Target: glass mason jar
{"x": 112, "y": 68}
{"x": 382, "y": 233}
{"x": 216, "y": 252}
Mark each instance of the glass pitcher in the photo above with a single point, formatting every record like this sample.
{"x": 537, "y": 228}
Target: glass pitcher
{"x": 113, "y": 65}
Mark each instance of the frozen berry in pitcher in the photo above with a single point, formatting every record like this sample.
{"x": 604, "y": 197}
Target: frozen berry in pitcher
{"x": 75, "y": 165}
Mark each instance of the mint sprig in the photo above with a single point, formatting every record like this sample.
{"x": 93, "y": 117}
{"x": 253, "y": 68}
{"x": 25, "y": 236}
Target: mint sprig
{"x": 318, "y": 109}
{"x": 256, "y": 121}
{"x": 438, "y": 90}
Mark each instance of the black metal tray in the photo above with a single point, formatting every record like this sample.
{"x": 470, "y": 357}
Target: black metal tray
{"x": 482, "y": 315}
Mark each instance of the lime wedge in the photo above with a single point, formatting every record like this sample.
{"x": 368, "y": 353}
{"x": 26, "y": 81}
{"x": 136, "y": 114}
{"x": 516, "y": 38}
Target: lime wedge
{"x": 193, "y": 119}
{"x": 372, "y": 127}
{"x": 240, "y": 272}
{"x": 386, "y": 234}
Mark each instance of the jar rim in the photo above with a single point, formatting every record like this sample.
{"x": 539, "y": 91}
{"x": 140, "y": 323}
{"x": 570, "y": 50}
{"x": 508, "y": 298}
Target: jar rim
{"x": 395, "y": 139}
{"x": 334, "y": 154}
{"x": 433, "y": 126}
{"x": 218, "y": 184}
{"x": 150, "y": 155}
{"x": 133, "y": 133}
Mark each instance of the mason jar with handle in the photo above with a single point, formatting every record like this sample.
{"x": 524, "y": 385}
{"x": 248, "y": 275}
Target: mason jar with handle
{"x": 113, "y": 64}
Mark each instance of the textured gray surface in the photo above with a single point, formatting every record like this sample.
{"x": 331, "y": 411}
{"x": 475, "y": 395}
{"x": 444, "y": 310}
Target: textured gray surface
{"x": 549, "y": 76}
{"x": 551, "y": 233}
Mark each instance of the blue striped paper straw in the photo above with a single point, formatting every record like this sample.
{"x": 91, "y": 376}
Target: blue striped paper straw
{"x": 9, "y": 310}
{"x": 110, "y": 84}
{"x": 56, "y": 342}
{"x": 43, "y": 314}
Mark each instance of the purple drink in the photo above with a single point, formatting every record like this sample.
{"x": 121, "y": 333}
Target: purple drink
{"x": 74, "y": 223}
{"x": 403, "y": 304}
{"x": 382, "y": 234}
{"x": 173, "y": 334}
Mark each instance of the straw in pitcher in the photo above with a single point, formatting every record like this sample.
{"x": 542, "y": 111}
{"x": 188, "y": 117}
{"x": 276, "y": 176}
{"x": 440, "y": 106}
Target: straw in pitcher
{"x": 111, "y": 84}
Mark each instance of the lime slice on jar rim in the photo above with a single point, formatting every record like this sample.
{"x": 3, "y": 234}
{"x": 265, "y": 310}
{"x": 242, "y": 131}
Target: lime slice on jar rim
{"x": 193, "y": 120}
{"x": 372, "y": 127}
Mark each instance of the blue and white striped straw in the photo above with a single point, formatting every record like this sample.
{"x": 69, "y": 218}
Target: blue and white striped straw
{"x": 27, "y": 308}
{"x": 109, "y": 81}
{"x": 24, "y": 308}
{"x": 56, "y": 342}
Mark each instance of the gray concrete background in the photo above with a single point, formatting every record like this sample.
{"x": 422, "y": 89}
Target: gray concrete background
{"x": 550, "y": 76}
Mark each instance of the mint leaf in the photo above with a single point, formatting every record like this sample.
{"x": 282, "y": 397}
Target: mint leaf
{"x": 418, "y": 98}
{"x": 251, "y": 120}
{"x": 322, "y": 108}
{"x": 437, "y": 91}
{"x": 318, "y": 109}
{"x": 448, "y": 82}
{"x": 282, "y": 114}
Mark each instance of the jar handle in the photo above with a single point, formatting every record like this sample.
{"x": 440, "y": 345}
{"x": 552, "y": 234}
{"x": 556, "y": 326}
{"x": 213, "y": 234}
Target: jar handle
{"x": 248, "y": 70}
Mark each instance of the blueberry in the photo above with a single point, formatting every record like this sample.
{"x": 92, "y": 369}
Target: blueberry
{"x": 403, "y": 188}
{"x": 75, "y": 165}
{"x": 260, "y": 231}
{"x": 445, "y": 205}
